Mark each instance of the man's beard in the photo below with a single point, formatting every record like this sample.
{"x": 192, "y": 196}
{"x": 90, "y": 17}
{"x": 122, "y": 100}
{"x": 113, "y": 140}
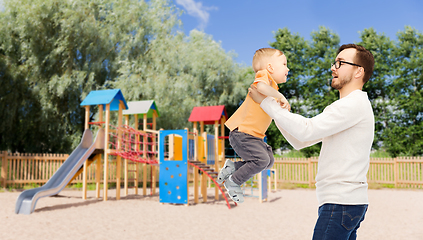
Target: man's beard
{"x": 341, "y": 82}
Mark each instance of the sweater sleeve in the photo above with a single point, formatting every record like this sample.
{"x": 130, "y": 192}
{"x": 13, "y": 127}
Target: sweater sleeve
{"x": 297, "y": 144}
{"x": 337, "y": 117}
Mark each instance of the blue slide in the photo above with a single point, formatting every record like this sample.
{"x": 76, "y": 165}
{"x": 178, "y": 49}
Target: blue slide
{"x": 28, "y": 199}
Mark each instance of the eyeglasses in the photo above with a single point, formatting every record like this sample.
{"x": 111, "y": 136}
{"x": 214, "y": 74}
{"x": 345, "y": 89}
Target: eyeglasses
{"x": 338, "y": 64}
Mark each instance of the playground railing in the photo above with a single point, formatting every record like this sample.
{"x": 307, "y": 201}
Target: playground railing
{"x": 135, "y": 145}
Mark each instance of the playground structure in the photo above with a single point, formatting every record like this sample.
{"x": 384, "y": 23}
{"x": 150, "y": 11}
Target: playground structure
{"x": 108, "y": 143}
{"x": 122, "y": 141}
{"x": 145, "y": 140}
{"x": 79, "y": 158}
{"x": 198, "y": 153}
{"x": 262, "y": 182}
{"x": 113, "y": 143}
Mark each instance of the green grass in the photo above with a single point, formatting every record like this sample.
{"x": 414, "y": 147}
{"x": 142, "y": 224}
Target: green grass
{"x": 380, "y": 154}
{"x": 78, "y": 186}
{"x": 291, "y": 154}
{"x": 380, "y": 185}
{"x": 31, "y": 186}
{"x": 298, "y": 154}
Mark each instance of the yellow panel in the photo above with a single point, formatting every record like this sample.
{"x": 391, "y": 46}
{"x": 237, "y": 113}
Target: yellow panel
{"x": 177, "y": 146}
{"x": 220, "y": 146}
{"x": 201, "y": 153}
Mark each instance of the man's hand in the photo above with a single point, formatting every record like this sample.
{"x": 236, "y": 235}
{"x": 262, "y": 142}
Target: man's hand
{"x": 255, "y": 94}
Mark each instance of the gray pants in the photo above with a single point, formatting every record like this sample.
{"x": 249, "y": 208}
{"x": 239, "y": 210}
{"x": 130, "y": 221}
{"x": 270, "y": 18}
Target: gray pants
{"x": 255, "y": 153}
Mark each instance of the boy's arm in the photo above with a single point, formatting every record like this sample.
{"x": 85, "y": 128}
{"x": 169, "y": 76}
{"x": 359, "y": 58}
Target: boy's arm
{"x": 271, "y": 92}
{"x": 267, "y": 90}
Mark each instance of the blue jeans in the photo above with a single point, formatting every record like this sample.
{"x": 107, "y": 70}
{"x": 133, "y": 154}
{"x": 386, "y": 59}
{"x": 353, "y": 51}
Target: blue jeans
{"x": 339, "y": 222}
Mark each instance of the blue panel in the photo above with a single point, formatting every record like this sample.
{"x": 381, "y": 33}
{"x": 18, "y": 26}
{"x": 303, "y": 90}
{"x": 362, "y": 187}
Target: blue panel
{"x": 173, "y": 182}
{"x": 191, "y": 151}
{"x": 264, "y": 184}
{"x": 210, "y": 149}
{"x": 114, "y": 106}
{"x": 269, "y": 172}
{"x": 173, "y": 174}
{"x": 163, "y": 134}
{"x": 99, "y": 97}
{"x": 103, "y": 97}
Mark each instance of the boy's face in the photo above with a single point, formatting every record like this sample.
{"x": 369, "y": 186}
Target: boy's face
{"x": 278, "y": 68}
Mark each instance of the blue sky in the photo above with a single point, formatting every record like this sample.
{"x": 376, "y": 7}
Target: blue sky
{"x": 245, "y": 26}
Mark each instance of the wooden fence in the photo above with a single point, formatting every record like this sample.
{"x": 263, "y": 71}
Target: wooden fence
{"x": 403, "y": 172}
{"x": 18, "y": 170}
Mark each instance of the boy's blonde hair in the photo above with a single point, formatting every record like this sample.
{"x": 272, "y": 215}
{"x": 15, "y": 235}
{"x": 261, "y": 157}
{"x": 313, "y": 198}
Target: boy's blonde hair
{"x": 261, "y": 57}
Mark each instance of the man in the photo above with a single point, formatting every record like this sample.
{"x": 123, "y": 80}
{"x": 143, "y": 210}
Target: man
{"x": 346, "y": 130}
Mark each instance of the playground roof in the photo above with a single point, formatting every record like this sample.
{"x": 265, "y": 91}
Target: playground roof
{"x": 142, "y": 107}
{"x": 208, "y": 114}
{"x": 103, "y": 97}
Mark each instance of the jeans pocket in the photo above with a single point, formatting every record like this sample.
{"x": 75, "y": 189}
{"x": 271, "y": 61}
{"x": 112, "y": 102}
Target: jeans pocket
{"x": 352, "y": 215}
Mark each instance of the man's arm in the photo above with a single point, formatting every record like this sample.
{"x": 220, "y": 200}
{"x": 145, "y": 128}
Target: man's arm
{"x": 297, "y": 144}
{"x": 334, "y": 119}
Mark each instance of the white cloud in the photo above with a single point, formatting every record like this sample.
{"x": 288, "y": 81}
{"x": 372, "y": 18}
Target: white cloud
{"x": 197, "y": 10}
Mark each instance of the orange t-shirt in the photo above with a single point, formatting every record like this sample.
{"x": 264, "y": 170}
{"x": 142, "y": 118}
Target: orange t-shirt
{"x": 249, "y": 117}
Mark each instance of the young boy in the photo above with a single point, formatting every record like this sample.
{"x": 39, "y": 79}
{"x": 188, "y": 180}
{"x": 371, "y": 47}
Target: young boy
{"x": 249, "y": 124}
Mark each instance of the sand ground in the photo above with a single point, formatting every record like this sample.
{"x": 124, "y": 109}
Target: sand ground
{"x": 289, "y": 214}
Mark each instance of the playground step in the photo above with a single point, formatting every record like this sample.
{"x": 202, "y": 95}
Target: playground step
{"x": 208, "y": 170}
{"x": 195, "y": 162}
{"x": 202, "y": 165}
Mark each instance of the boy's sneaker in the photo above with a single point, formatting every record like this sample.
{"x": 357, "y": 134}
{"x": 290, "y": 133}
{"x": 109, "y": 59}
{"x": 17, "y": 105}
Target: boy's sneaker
{"x": 226, "y": 171}
{"x": 234, "y": 191}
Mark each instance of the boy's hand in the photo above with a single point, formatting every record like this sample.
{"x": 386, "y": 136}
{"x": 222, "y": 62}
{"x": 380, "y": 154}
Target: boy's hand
{"x": 284, "y": 103}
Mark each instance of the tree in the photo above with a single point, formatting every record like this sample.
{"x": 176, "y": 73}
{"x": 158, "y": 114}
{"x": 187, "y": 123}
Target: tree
{"x": 404, "y": 132}
{"x": 295, "y": 48}
{"x": 322, "y": 52}
{"x": 308, "y": 86}
{"x": 318, "y": 93}
{"x": 54, "y": 53}
{"x": 379, "y": 86}
{"x": 181, "y": 72}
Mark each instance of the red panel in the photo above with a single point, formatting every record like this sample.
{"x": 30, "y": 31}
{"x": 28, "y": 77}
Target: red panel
{"x": 208, "y": 114}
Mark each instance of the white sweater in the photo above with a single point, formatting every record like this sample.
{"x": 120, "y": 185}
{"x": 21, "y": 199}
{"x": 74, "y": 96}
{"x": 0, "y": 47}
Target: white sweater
{"x": 346, "y": 130}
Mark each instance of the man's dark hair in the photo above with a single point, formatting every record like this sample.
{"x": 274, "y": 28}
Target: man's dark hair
{"x": 363, "y": 58}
